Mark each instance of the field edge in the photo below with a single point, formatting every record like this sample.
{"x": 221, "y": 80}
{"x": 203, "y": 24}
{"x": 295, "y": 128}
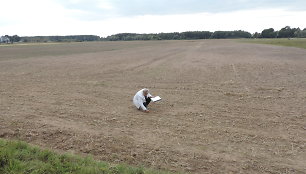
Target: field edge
{"x": 20, "y": 157}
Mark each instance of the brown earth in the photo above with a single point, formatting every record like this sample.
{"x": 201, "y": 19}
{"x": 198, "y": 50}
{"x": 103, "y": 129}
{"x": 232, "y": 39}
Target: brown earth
{"x": 228, "y": 107}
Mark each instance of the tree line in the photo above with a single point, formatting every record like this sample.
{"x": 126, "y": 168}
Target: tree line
{"x": 286, "y": 32}
{"x": 190, "y": 35}
{"x": 12, "y": 39}
{"x": 74, "y": 38}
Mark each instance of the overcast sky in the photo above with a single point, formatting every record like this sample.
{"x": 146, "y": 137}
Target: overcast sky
{"x": 106, "y": 17}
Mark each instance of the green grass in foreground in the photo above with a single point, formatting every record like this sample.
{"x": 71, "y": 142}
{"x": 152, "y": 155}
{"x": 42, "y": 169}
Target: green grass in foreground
{"x": 20, "y": 158}
{"x": 299, "y": 43}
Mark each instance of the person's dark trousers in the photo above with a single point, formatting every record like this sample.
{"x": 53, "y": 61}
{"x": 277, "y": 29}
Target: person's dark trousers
{"x": 148, "y": 100}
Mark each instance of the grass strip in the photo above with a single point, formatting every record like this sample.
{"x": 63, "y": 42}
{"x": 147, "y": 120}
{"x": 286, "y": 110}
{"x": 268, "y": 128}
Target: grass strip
{"x": 298, "y": 43}
{"x": 17, "y": 157}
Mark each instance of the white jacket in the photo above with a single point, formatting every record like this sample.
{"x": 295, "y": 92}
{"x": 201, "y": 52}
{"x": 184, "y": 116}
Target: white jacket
{"x": 139, "y": 99}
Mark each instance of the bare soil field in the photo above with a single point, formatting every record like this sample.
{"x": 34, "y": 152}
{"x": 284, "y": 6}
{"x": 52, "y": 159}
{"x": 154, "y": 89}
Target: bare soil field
{"x": 228, "y": 107}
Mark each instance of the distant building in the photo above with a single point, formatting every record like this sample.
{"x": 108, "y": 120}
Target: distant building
{"x": 4, "y": 39}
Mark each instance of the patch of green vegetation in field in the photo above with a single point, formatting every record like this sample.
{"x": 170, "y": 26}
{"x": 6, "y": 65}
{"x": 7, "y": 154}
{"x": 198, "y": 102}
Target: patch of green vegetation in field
{"x": 18, "y": 157}
{"x": 299, "y": 43}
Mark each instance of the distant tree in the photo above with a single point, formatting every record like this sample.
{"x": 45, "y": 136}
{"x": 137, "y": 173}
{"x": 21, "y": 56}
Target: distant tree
{"x": 300, "y": 33}
{"x": 74, "y": 38}
{"x": 231, "y": 34}
{"x": 196, "y": 35}
{"x": 256, "y": 35}
{"x": 9, "y": 39}
{"x": 287, "y": 32}
{"x": 296, "y": 32}
{"x": 219, "y": 35}
{"x": 14, "y": 38}
{"x": 269, "y": 33}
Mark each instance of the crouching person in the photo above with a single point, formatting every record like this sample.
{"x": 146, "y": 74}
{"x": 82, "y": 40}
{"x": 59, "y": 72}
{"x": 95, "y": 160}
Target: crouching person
{"x": 142, "y": 99}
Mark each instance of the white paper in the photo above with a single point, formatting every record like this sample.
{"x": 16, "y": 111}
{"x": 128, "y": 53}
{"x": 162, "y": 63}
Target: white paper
{"x": 155, "y": 99}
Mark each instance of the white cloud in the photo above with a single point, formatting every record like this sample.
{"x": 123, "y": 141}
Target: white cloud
{"x": 105, "y": 5}
{"x": 47, "y": 17}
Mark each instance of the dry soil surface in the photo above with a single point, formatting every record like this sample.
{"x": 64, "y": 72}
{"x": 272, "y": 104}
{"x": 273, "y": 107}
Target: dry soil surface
{"x": 228, "y": 107}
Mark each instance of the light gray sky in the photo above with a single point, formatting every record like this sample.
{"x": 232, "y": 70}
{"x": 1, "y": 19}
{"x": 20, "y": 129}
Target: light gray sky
{"x": 106, "y": 17}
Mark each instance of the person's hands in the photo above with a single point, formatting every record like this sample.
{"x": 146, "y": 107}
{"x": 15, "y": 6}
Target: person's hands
{"x": 146, "y": 111}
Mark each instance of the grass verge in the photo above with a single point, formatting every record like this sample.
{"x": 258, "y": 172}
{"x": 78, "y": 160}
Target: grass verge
{"x": 299, "y": 43}
{"x": 18, "y": 157}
